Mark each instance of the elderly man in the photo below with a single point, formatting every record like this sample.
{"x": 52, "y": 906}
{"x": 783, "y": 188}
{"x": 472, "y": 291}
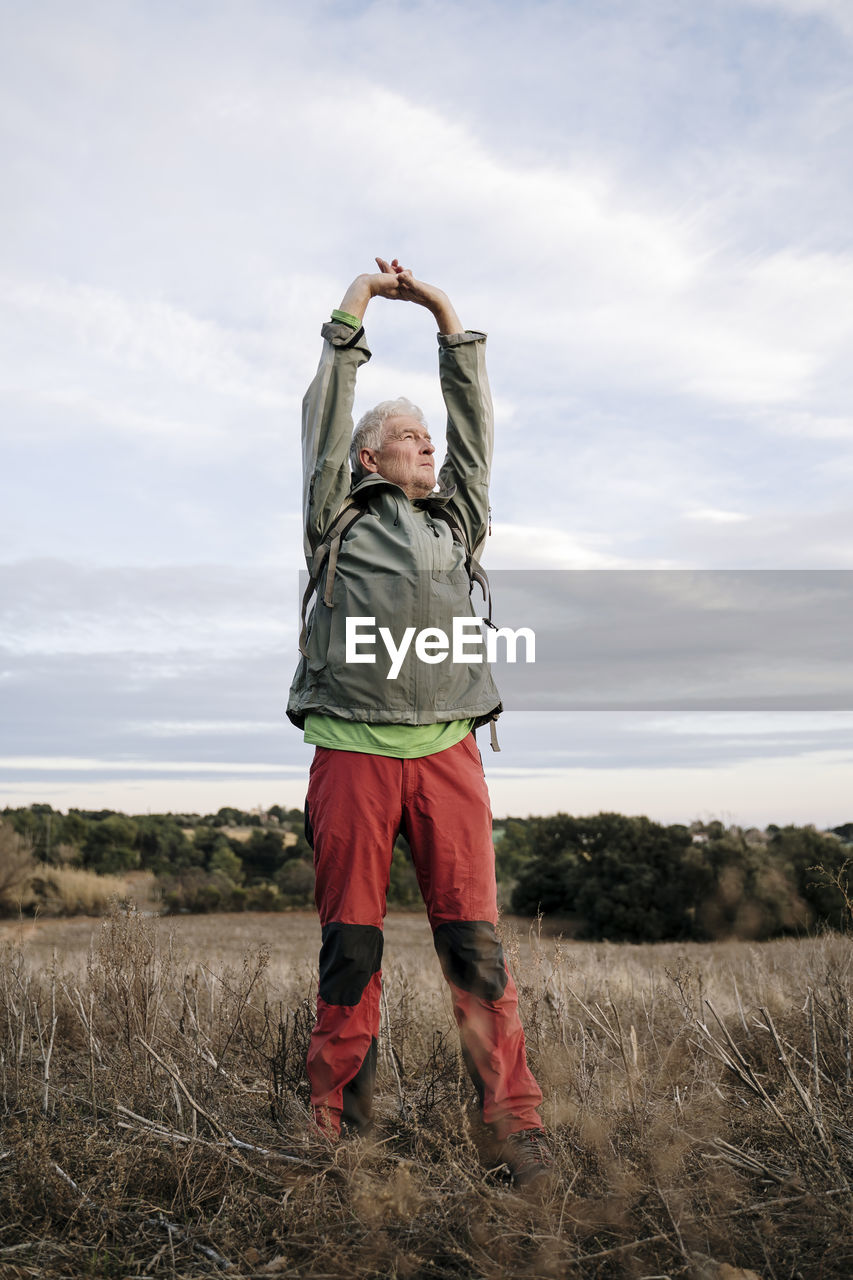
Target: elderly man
{"x": 391, "y": 556}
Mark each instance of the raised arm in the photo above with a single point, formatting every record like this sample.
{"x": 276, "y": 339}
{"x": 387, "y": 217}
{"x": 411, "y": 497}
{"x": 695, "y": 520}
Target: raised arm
{"x": 465, "y": 388}
{"x": 327, "y": 406}
{"x": 470, "y": 431}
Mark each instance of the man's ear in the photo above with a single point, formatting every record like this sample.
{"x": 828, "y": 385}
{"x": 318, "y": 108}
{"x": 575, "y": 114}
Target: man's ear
{"x": 369, "y": 460}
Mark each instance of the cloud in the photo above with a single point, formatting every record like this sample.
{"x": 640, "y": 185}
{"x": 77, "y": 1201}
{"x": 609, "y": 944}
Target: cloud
{"x": 516, "y": 546}
{"x": 56, "y": 607}
{"x": 813, "y": 426}
{"x": 186, "y": 768}
{"x": 136, "y": 368}
{"x": 149, "y": 337}
{"x": 716, "y": 515}
{"x": 635, "y": 287}
{"x": 836, "y": 12}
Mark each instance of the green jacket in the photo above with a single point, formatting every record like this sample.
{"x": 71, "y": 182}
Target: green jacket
{"x": 397, "y": 564}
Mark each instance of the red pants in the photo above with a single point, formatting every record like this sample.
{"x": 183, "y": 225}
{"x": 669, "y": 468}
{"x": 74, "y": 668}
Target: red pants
{"x": 355, "y": 807}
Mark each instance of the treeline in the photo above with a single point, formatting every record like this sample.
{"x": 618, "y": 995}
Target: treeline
{"x": 633, "y": 880}
{"x": 227, "y": 861}
{"x": 608, "y": 876}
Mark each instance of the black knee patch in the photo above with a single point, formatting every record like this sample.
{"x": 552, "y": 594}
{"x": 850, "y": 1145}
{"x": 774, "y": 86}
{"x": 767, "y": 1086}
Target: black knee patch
{"x": 349, "y": 957}
{"x": 471, "y": 957}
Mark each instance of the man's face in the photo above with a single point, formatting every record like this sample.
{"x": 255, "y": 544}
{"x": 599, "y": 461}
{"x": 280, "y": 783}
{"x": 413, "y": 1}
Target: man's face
{"x": 405, "y": 457}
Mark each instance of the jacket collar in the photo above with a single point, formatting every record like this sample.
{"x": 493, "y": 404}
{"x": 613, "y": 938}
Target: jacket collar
{"x": 362, "y": 490}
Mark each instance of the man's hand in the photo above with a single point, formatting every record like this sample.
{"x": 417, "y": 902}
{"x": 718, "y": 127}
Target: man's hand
{"x": 384, "y": 284}
{"x": 425, "y": 295}
{"x": 394, "y": 281}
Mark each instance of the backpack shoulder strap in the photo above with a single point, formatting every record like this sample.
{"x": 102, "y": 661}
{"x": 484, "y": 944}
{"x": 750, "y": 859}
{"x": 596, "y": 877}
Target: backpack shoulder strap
{"x": 327, "y": 549}
{"x": 476, "y": 572}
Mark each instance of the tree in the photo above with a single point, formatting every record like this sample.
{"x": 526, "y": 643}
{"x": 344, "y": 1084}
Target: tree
{"x": 619, "y": 878}
{"x": 75, "y": 828}
{"x": 162, "y": 844}
{"x": 226, "y": 862}
{"x": 298, "y": 848}
{"x": 16, "y": 867}
{"x": 293, "y": 819}
{"x": 761, "y": 889}
{"x": 109, "y": 847}
{"x": 812, "y": 860}
{"x": 262, "y": 854}
{"x": 228, "y": 817}
{"x": 207, "y": 841}
{"x": 295, "y": 882}
{"x": 513, "y": 847}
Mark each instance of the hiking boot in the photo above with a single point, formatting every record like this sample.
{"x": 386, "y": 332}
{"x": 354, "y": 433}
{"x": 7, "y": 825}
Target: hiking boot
{"x": 332, "y": 1126}
{"x": 528, "y": 1157}
{"x": 325, "y": 1123}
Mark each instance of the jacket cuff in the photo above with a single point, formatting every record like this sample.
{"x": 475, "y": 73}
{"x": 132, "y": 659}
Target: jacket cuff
{"x": 457, "y": 339}
{"x": 341, "y": 335}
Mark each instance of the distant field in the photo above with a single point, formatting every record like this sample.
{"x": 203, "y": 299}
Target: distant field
{"x": 700, "y": 1098}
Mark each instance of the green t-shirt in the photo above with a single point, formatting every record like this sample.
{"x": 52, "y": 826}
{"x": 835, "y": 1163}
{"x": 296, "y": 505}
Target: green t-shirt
{"x": 403, "y": 741}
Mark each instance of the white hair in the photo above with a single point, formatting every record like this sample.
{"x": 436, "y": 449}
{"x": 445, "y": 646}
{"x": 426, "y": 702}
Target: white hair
{"x": 368, "y": 432}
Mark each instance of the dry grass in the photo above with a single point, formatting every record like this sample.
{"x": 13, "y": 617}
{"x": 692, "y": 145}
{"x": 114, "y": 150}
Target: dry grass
{"x": 155, "y": 1110}
{"x": 57, "y": 889}
{"x": 72, "y": 891}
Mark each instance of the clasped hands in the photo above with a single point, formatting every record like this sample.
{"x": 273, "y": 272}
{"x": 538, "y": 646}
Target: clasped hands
{"x": 394, "y": 281}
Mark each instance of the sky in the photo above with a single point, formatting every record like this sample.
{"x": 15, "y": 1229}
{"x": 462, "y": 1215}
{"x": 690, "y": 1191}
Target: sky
{"x": 646, "y": 204}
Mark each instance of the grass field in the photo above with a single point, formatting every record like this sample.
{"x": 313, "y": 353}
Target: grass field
{"x": 155, "y": 1109}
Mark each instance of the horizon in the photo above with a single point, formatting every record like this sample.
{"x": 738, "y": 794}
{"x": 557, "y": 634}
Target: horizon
{"x": 257, "y": 811}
